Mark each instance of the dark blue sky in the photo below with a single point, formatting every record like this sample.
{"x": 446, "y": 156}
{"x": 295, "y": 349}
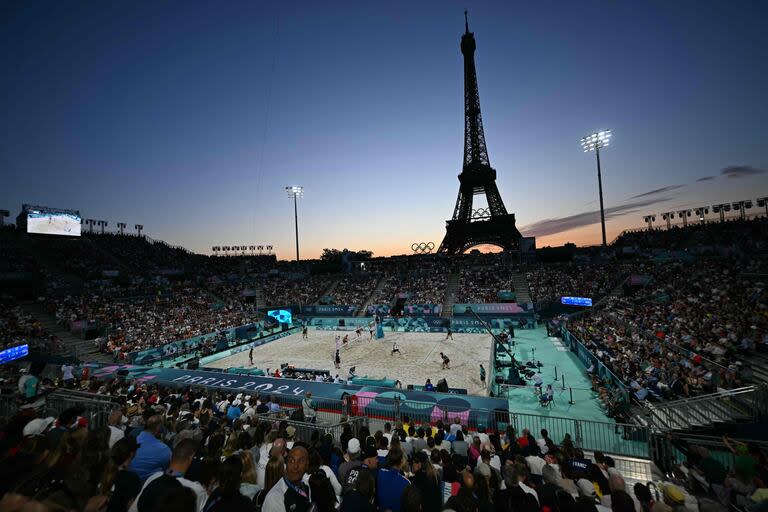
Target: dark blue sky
{"x": 192, "y": 117}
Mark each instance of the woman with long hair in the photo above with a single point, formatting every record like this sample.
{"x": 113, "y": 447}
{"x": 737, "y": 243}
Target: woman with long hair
{"x": 118, "y": 482}
{"x": 248, "y": 487}
{"x": 426, "y": 481}
{"x": 323, "y": 495}
{"x": 275, "y": 470}
{"x": 227, "y": 497}
{"x": 316, "y": 464}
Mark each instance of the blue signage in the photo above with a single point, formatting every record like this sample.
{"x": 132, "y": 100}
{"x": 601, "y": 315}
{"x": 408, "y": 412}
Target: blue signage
{"x": 13, "y": 353}
{"x": 282, "y": 316}
{"x": 576, "y": 301}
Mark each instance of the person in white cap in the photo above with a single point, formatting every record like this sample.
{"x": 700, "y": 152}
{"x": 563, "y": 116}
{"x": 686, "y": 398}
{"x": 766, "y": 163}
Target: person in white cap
{"x": 38, "y": 426}
{"x": 353, "y": 461}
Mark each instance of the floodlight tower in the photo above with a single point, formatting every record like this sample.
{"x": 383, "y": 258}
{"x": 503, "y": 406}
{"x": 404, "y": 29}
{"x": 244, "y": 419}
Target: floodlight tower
{"x": 684, "y": 214}
{"x": 762, "y": 202}
{"x": 138, "y": 228}
{"x": 593, "y": 142}
{"x": 700, "y": 212}
{"x": 721, "y": 209}
{"x": 121, "y": 227}
{"x": 295, "y": 192}
{"x": 668, "y": 216}
{"x": 740, "y": 206}
{"x": 650, "y": 219}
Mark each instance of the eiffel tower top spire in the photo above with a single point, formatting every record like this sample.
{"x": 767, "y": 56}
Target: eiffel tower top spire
{"x": 475, "y": 152}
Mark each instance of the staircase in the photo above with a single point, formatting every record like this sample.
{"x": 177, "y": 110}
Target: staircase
{"x": 71, "y": 344}
{"x": 330, "y": 289}
{"x": 747, "y": 404}
{"x": 259, "y": 300}
{"x": 758, "y": 361}
{"x": 450, "y": 293}
{"x": 120, "y": 264}
{"x": 520, "y": 282}
{"x": 375, "y": 293}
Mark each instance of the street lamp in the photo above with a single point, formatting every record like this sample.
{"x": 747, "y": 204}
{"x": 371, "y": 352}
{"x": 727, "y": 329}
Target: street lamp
{"x": 593, "y": 142}
{"x": 295, "y": 192}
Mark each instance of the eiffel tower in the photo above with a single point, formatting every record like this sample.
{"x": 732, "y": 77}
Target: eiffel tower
{"x": 470, "y": 227}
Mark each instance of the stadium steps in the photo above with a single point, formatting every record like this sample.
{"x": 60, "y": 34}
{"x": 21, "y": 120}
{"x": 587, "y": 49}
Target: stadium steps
{"x": 329, "y": 290}
{"x": 51, "y": 262}
{"x": 72, "y": 345}
{"x": 375, "y": 293}
{"x": 121, "y": 265}
{"x": 450, "y": 293}
{"x": 759, "y": 363}
{"x": 259, "y": 299}
{"x": 522, "y": 294}
{"x": 704, "y": 412}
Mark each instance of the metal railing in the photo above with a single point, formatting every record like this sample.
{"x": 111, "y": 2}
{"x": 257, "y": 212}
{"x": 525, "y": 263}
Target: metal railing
{"x": 748, "y": 403}
{"x": 608, "y": 437}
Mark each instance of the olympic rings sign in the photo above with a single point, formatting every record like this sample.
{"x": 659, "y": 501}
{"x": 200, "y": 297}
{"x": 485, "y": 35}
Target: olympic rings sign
{"x": 423, "y": 247}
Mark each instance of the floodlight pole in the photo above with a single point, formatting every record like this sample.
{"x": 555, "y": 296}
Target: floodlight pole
{"x": 600, "y": 187}
{"x": 295, "y": 192}
{"x": 296, "y": 222}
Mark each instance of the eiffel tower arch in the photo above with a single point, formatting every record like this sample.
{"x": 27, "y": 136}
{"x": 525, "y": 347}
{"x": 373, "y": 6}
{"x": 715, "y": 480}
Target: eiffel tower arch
{"x": 475, "y": 226}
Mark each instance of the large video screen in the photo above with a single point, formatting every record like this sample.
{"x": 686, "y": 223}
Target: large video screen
{"x": 53, "y": 223}
{"x": 13, "y": 353}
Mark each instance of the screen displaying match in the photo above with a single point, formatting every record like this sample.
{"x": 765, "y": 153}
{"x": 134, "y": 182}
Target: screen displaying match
{"x": 13, "y": 353}
{"x": 576, "y": 301}
{"x": 283, "y": 316}
{"x": 53, "y": 223}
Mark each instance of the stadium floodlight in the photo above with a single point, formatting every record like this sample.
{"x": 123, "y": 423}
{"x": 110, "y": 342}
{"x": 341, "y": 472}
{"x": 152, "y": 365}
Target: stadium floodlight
{"x": 269, "y": 249}
{"x": 594, "y": 142}
{"x": 90, "y": 223}
{"x": 700, "y": 212}
{"x": 121, "y": 227}
{"x": 740, "y": 206}
{"x": 762, "y": 202}
{"x": 721, "y": 209}
{"x": 259, "y": 248}
{"x": 138, "y": 228}
{"x": 668, "y": 216}
{"x": 684, "y": 214}
{"x": 650, "y": 219}
{"x": 295, "y": 192}
{"x": 3, "y": 215}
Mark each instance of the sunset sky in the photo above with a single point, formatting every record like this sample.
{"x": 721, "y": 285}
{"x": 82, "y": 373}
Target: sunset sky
{"x": 192, "y": 117}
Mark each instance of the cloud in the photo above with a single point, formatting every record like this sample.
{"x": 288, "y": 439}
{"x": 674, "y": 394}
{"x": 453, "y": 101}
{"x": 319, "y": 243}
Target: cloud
{"x": 705, "y": 178}
{"x": 657, "y": 191}
{"x": 739, "y": 171}
{"x": 548, "y": 227}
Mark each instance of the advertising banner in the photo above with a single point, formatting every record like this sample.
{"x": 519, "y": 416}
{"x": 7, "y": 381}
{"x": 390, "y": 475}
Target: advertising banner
{"x": 329, "y": 310}
{"x": 506, "y": 295}
{"x": 493, "y": 308}
{"x": 423, "y": 309}
{"x": 170, "y": 350}
{"x": 379, "y": 309}
{"x": 247, "y": 346}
